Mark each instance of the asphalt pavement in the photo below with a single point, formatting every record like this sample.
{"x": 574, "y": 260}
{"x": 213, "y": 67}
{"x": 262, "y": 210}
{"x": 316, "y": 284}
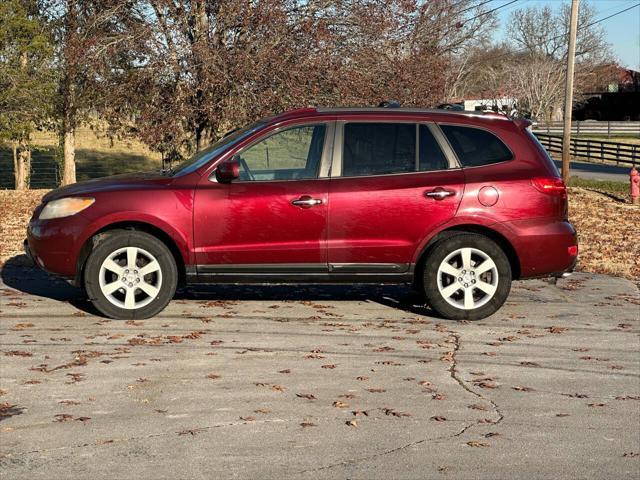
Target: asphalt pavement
{"x": 597, "y": 171}
{"x": 320, "y": 382}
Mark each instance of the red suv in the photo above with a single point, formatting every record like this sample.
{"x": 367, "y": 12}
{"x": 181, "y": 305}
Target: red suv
{"x": 456, "y": 203}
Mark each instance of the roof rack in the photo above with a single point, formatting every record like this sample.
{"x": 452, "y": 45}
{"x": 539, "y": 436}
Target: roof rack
{"x": 401, "y": 110}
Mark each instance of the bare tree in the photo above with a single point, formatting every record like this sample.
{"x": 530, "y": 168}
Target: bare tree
{"x": 537, "y": 82}
{"x": 540, "y": 31}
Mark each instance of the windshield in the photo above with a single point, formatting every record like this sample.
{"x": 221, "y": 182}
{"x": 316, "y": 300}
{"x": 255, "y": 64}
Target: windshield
{"x": 203, "y": 156}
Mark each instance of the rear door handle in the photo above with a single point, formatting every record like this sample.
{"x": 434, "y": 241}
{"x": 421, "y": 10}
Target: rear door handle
{"x": 306, "y": 201}
{"x": 439, "y": 193}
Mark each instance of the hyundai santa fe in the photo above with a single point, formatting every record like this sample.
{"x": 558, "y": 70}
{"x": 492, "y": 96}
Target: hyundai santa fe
{"x": 458, "y": 204}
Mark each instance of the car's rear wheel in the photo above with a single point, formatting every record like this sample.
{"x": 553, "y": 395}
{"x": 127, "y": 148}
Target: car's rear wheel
{"x": 130, "y": 274}
{"x": 466, "y": 277}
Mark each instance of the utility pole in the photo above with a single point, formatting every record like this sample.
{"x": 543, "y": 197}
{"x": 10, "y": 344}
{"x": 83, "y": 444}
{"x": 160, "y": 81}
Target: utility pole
{"x": 568, "y": 93}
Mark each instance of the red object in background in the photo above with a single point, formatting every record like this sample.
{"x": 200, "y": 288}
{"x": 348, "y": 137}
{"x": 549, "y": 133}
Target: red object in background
{"x": 634, "y": 178}
{"x": 331, "y": 221}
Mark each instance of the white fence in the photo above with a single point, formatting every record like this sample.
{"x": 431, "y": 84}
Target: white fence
{"x": 592, "y": 127}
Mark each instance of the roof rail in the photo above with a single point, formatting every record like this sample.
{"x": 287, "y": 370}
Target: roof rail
{"x": 389, "y": 104}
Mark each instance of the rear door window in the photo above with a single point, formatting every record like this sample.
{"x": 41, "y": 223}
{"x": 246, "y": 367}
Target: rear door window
{"x": 476, "y": 147}
{"x": 390, "y": 148}
{"x": 431, "y": 156}
{"x": 378, "y": 149}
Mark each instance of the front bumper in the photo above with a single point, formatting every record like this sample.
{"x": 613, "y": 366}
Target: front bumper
{"x": 53, "y": 245}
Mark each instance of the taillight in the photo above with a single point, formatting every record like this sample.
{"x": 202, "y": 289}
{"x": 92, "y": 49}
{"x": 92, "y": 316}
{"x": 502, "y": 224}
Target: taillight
{"x": 550, "y": 185}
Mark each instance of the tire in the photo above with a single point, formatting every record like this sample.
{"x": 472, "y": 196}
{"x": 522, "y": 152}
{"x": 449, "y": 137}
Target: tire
{"x": 488, "y": 279}
{"x": 121, "y": 292}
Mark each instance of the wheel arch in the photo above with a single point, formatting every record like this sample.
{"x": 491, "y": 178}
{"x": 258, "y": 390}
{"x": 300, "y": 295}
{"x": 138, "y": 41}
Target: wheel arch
{"x": 488, "y": 232}
{"x": 136, "y": 225}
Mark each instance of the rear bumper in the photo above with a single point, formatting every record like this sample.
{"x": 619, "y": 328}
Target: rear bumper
{"x": 544, "y": 247}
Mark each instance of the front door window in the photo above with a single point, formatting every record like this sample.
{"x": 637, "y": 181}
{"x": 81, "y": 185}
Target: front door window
{"x": 292, "y": 154}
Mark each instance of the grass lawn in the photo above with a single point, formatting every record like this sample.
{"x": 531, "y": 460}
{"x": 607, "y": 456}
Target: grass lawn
{"x": 628, "y": 139}
{"x": 620, "y": 189}
{"x": 96, "y": 156}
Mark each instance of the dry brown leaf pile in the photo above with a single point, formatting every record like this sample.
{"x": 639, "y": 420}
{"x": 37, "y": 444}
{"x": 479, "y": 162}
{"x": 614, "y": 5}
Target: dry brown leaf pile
{"x": 608, "y": 233}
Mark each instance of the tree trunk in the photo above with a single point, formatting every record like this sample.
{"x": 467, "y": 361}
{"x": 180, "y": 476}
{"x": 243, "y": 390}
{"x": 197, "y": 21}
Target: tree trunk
{"x": 69, "y": 148}
{"x": 21, "y": 164}
{"x": 18, "y": 172}
{"x": 69, "y": 104}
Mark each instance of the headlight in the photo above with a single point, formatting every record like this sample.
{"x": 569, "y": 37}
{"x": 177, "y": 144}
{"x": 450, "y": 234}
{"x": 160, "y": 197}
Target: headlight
{"x": 65, "y": 207}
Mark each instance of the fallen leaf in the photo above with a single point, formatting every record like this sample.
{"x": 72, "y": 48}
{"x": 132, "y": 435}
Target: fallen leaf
{"x": 487, "y": 385}
{"x": 352, "y": 423}
{"x": 474, "y": 443}
{"x": 339, "y": 404}
{"x": 575, "y": 395}
{"x": 438, "y": 418}
{"x": 520, "y": 388}
{"x": 394, "y": 413}
{"x": 529, "y": 364}
{"x": 18, "y": 353}
{"x": 63, "y": 417}
{"x": 557, "y": 329}
{"x": 308, "y": 396}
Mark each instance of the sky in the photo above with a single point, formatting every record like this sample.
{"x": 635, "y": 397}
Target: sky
{"x": 622, "y": 31}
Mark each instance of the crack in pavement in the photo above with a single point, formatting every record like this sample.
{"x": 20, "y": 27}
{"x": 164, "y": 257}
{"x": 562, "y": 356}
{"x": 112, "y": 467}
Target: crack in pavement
{"x": 453, "y": 373}
{"x": 354, "y": 461}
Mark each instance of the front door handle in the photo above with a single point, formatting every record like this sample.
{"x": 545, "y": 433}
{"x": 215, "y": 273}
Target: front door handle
{"x": 306, "y": 201}
{"x": 439, "y": 193}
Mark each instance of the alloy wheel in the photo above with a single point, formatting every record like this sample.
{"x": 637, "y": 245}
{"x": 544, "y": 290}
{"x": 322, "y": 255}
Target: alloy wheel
{"x": 130, "y": 278}
{"x": 467, "y": 278}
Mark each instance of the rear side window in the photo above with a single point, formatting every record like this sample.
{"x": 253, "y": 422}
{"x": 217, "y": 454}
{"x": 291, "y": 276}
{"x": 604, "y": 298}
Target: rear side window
{"x": 390, "y": 148}
{"x": 476, "y": 147}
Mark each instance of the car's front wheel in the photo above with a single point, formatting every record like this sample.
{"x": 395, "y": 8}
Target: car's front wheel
{"x": 467, "y": 277}
{"x": 130, "y": 274}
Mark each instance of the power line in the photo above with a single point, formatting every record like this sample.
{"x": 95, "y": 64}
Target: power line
{"x": 474, "y": 6}
{"x": 610, "y": 16}
{"x": 595, "y": 22}
{"x": 492, "y": 10}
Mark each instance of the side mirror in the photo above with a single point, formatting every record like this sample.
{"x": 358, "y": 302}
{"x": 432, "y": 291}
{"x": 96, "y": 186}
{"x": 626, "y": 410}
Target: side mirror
{"x": 228, "y": 171}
